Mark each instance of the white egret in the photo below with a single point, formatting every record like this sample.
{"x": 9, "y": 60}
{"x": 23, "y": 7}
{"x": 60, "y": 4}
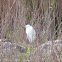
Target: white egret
{"x": 31, "y": 34}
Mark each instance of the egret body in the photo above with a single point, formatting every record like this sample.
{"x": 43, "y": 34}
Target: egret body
{"x": 31, "y": 34}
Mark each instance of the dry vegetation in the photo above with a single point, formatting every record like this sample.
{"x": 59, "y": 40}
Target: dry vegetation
{"x": 46, "y": 18}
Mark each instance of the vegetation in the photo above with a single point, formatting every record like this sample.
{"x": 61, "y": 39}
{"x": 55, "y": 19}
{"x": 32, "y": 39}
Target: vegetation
{"x": 46, "y": 18}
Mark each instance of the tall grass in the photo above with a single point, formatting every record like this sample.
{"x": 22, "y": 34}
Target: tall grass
{"x": 46, "y": 18}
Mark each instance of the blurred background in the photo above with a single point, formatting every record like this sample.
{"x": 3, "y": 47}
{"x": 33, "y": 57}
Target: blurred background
{"x": 46, "y": 18}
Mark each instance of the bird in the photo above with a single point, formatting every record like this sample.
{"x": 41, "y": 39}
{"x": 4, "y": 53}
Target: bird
{"x": 31, "y": 33}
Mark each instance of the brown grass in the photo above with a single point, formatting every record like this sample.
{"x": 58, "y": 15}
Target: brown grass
{"x": 46, "y": 18}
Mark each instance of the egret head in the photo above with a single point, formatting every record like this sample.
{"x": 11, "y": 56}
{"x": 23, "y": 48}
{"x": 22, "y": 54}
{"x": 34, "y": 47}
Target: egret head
{"x": 27, "y": 26}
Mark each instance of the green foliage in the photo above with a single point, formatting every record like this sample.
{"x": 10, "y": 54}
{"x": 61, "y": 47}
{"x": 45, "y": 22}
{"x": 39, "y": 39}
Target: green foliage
{"x": 29, "y": 16}
{"x": 51, "y": 1}
{"x": 27, "y": 53}
{"x": 27, "y": 50}
{"x": 9, "y": 34}
{"x": 43, "y": 41}
{"x": 21, "y": 56}
{"x": 55, "y": 4}
{"x": 26, "y": 4}
{"x": 44, "y": 53}
{"x": 32, "y": 3}
{"x": 61, "y": 59}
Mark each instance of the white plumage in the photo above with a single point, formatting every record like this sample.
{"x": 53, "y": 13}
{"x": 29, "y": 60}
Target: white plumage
{"x": 31, "y": 34}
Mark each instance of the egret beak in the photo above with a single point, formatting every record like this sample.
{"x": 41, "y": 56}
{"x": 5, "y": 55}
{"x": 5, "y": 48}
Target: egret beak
{"x": 23, "y": 27}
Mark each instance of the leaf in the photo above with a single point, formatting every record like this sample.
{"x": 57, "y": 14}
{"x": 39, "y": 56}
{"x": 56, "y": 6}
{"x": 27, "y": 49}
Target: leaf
{"x": 9, "y": 34}
{"x": 26, "y": 4}
{"x": 29, "y": 17}
{"x": 28, "y": 50}
{"x": 51, "y": 1}
{"x": 32, "y": 1}
{"x": 55, "y": 4}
